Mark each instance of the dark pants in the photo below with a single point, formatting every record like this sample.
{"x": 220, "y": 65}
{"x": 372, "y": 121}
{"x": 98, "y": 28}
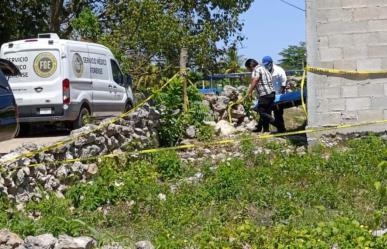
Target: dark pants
{"x": 264, "y": 109}
{"x": 279, "y": 119}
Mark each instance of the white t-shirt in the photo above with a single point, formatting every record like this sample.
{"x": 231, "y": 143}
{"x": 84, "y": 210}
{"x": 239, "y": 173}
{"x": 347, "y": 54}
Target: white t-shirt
{"x": 279, "y": 78}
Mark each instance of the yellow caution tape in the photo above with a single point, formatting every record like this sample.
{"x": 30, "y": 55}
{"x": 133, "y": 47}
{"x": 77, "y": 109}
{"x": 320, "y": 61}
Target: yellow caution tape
{"x": 308, "y": 68}
{"x": 231, "y": 105}
{"x": 302, "y": 94}
{"x": 343, "y": 72}
{"x": 216, "y": 143}
{"x": 332, "y": 71}
{"x": 101, "y": 126}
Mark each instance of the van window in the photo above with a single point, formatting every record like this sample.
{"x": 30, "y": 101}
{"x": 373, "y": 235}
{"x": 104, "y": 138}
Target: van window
{"x": 117, "y": 75}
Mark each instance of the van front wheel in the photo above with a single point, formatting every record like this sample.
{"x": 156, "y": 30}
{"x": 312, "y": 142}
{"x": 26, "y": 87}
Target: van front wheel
{"x": 82, "y": 119}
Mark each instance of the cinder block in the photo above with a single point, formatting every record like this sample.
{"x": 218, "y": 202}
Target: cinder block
{"x": 357, "y": 104}
{"x": 345, "y": 64}
{"x": 340, "y": 40}
{"x": 329, "y": 119}
{"x": 349, "y": 91}
{"x": 323, "y": 41}
{"x": 343, "y": 28}
{"x": 377, "y": 51}
{"x": 385, "y": 89}
{"x": 362, "y": 3}
{"x": 354, "y": 3}
{"x": 383, "y": 11}
{"x": 371, "y": 90}
{"x": 366, "y": 13}
{"x": 349, "y": 117}
{"x": 369, "y": 64}
{"x": 364, "y": 39}
{"x": 355, "y": 53}
{"x": 379, "y": 103}
{"x": 371, "y": 115}
{"x": 385, "y": 114}
{"x": 330, "y": 105}
{"x": 331, "y": 92}
{"x": 325, "y": 64}
{"x": 328, "y": 4}
{"x": 333, "y": 81}
{"x": 330, "y": 54}
{"x": 334, "y": 15}
{"x": 381, "y": 37}
{"x": 384, "y": 64}
{"x": 352, "y": 82}
{"x": 377, "y": 25}
{"x": 336, "y": 104}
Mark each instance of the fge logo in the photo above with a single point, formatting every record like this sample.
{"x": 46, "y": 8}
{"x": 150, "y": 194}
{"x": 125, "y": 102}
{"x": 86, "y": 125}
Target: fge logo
{"x": 45, "y": 64}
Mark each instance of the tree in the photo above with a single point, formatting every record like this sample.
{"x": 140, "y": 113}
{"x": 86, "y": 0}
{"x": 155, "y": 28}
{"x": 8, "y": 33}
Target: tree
{"x": 140, "y": 33}
{"x": 232, "y": 61}
{"x": 86, "y": 25}
{"x": 23, "y": 19}
{"x": 294, "y": 57}
{"x": 151, "y": 31}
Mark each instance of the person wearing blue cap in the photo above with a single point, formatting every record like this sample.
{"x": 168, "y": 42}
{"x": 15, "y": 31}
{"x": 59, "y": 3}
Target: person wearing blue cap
{"x": 279, "y": 84}
{"x": 262, "y": 82}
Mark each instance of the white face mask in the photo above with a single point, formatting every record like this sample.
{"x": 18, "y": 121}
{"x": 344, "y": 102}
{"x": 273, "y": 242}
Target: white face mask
{"x": 269, "y": 67}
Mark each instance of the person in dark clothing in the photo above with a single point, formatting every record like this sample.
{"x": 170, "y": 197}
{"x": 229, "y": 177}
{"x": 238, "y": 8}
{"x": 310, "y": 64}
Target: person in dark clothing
{"x": 261, "y": 81}
{"x": 279, "y": 83}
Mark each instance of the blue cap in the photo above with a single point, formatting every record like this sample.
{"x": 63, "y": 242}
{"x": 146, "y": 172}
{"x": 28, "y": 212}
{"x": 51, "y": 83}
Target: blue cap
{"x": 267, "y": 60}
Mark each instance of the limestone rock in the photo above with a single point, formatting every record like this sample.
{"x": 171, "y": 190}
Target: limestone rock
{"x": 191, "y": 132}
{"x": 67, "y": 242}
{"x": 251, "y": 126}
{"x": 225, "y": 128}
{"x": 9, "y": 240}
{"x": 44, "y": 241}
{"x": 144, "y": 245}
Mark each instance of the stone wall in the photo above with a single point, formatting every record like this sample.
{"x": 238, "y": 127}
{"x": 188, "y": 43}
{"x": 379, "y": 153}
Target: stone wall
{"x": 347, "y": 35}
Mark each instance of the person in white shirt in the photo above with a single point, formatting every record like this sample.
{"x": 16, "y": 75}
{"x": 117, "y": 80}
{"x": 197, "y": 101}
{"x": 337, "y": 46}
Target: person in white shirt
{"x": 279, "y": 84}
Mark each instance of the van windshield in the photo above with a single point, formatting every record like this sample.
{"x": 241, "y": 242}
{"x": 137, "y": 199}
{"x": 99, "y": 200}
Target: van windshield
{"x": 37, "y": 65}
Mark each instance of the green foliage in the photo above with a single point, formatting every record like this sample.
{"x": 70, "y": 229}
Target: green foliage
{"x": 173, "y": 121}
{"x": 25, "y": 19}
{"x": 275, "y": 200}
{"x": 381, "y": 184}
{"x": 294, "y": 57}
{"x": 86, "y": 25}
{"x": 155, "y": 31}
{"x": 168, "y": 164}
{"x": 205, "y": 133}
{"x": 229, "y": 182}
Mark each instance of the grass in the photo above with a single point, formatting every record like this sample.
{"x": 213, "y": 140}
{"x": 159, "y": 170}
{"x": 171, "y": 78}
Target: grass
{"x": 279, "y": 200}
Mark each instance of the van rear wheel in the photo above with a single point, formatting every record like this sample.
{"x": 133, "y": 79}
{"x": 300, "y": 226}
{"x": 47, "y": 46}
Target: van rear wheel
{"x": 128, "y": 106}
{"x": 23, "y": 129}
{"x": 82, "y": 119}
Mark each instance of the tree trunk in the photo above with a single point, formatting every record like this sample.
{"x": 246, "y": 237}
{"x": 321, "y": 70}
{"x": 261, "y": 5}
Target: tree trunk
{"x": 183, "y": 75}
{"x": 55, "y": 18}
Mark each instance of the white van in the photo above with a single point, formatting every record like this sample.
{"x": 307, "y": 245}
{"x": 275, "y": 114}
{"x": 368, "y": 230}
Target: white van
{"x": 64, "y": 80}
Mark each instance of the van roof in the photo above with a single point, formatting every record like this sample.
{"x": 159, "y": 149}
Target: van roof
{"x": 51, "y": 40}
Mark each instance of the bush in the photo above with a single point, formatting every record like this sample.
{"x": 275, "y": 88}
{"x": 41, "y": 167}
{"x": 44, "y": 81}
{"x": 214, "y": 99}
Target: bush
{"x": 205, "y": 133}
{"x": 173, "y": 121}
{"x": 168, "y": 164}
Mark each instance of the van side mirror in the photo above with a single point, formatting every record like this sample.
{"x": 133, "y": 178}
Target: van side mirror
{"x": 128, "y": 80}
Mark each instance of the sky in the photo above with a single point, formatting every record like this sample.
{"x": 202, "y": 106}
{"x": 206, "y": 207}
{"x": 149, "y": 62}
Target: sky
{"x": 270, "y": 26}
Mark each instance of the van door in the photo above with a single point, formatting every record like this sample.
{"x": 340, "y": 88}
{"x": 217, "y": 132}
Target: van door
{"x": 118, "y": 86}
{"x": 81, "y": 85}
{"x": 38, "y": 89}
{"x": 103, "y": 94}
